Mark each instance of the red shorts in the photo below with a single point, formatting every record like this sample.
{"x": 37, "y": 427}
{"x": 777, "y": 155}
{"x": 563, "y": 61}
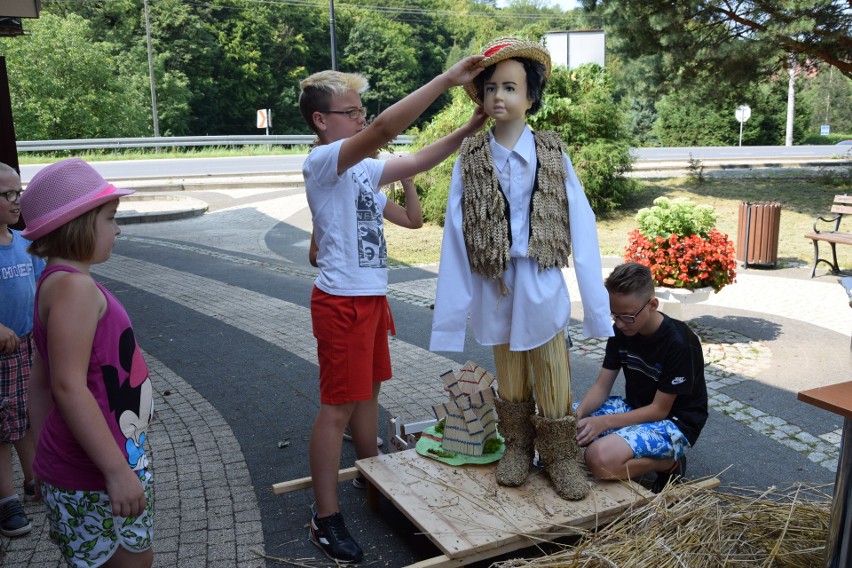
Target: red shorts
{"x": 352, "y": 344}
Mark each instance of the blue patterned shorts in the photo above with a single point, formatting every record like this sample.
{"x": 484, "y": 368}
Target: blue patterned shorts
{"x": 659, "y": 440}
{"x": 82, "y": 524}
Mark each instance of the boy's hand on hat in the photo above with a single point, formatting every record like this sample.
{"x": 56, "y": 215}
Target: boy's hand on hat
{"x": 465, "y": 70}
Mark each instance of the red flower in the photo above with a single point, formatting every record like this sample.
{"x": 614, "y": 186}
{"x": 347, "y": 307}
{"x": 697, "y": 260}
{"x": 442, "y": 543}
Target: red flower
{"x": 685, "y": 262}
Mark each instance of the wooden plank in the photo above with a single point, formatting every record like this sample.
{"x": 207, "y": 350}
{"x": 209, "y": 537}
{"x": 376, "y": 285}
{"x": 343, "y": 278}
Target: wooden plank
{"x": 843, "y": 199}
{"x": 465, "y": 513}
{"x": 307, "y": 483}
{"x": 832, "y": 237}
{"x": 835, "y": 398}
{"x": 444, "y": 561}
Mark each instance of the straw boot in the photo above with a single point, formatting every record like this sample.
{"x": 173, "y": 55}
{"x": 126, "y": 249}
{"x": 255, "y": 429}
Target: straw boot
{"x": 556, "y": 441}
{"x": 516, "y": 427}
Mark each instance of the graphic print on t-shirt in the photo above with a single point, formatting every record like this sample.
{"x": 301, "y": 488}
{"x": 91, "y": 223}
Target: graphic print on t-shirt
{"x": 372, "y": 249}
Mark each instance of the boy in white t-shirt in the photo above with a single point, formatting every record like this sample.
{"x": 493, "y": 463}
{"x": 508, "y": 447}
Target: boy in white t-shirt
{"x": 349, "y": 309}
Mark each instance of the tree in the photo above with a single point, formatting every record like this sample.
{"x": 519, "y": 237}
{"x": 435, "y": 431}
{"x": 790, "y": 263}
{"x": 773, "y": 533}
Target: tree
{"x": 65, "y": 85}
{"x": 829, "y": 95}
{"x": 385, "y": 52}
{"x": 694, "y": 118}
{"x": 731, "y": 38}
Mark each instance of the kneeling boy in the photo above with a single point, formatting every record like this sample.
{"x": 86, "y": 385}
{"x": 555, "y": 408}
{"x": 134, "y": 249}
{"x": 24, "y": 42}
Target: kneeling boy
{"x": 665, "y": 406}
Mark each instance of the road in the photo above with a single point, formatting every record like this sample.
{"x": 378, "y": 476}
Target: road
{"x": 136, "y": 169}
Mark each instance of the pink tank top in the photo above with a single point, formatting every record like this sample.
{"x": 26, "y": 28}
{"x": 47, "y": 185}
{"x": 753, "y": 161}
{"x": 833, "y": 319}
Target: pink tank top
{"x": 118, "y": 380}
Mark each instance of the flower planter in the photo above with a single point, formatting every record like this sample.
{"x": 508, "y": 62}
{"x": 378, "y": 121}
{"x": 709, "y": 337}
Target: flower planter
{"x": 673, "y": 299}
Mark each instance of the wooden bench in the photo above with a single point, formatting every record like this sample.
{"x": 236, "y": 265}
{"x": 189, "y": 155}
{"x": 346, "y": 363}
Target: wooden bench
{"x": 834, "y": 236}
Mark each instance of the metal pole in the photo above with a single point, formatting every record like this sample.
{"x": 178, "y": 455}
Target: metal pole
{"x": 333, "y": 36}
{"x": 151, "y": 73}
{"x": 741, "y": 133}
{"x": 791, "y": 101}
{"x": 837, "y": 552}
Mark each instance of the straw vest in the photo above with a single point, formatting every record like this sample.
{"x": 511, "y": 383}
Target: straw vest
{"x": 485, "y": 209}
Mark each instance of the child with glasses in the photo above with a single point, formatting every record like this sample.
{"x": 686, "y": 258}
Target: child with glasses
{"x": 349, "y": 309}
{"x": 665, "y": 407}
{"x": 19, "y": 271}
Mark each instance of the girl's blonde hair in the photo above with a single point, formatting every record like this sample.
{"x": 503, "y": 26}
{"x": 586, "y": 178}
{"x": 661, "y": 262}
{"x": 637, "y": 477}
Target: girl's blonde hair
{"x": 75, "y": 240}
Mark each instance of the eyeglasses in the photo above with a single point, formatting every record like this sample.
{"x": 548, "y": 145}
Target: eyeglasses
{"x": 352, "y": 113}
{"x": 630, "y": 319}
{"x": 11, "y": 195}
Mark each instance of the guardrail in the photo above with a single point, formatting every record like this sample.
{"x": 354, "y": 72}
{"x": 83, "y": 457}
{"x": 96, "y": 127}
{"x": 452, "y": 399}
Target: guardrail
{"x": 175, "y": 142}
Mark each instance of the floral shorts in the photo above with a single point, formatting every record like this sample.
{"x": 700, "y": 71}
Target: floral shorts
{"x": 82, "y": 524}
{"x": 661, "y": 440}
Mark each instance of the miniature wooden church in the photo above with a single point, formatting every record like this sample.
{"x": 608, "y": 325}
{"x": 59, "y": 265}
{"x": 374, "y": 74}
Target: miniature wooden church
{"x": 470, "y": 418}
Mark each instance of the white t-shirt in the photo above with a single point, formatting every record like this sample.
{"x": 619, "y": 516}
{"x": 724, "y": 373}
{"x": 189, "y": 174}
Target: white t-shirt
{"x": 348, "y": 223}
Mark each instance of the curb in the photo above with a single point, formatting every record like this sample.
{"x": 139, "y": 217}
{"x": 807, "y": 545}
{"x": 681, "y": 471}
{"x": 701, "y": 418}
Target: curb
{"x": 153, "y": 208}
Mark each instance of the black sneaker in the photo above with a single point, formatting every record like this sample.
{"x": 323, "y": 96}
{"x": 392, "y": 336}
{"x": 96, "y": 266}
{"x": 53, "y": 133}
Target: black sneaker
{"x": 13, "y": 520}
{"x": 359, "y": 482}
{"x": 331, "y": 536}
{"x": 674, "y": 475}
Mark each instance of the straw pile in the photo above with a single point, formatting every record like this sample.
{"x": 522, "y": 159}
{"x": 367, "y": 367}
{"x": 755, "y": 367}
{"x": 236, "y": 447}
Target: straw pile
{"x": 690, "y": 527}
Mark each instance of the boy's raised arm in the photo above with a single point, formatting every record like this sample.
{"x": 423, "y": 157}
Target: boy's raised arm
{"x": 399, "y": 116}
{"x": 430, "y": 156}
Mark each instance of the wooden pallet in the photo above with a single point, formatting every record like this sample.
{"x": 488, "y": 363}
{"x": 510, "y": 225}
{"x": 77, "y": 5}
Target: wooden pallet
{"x": 470, "y": 518}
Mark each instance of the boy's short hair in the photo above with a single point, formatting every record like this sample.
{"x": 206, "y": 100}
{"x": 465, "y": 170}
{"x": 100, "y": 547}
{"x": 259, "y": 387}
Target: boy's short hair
{"x": 75, "y": 240}
{"x": 536, "y": 81}
{"x": 319, "y": 90}
{"x": 630, "y": 278}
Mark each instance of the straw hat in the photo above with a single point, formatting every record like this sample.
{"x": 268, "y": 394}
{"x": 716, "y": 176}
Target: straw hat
{"x": 508, "y": 48}
{"x": 62, "y": 192}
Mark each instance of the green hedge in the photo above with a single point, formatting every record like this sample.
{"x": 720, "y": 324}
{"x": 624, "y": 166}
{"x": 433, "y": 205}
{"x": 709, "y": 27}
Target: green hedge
{"x": 819, "y": 139}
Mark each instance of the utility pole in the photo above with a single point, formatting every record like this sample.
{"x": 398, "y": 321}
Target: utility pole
{"x": 333, "y": 36}
{"x": 151, "y": 73}
{"x": 791, "y": 101}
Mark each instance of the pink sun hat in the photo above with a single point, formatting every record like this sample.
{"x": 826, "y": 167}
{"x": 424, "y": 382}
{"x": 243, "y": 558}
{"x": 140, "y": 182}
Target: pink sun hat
{"x": 62, "y": 192}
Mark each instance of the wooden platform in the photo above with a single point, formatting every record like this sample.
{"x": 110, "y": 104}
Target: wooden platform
{"x": 470, "y": 518}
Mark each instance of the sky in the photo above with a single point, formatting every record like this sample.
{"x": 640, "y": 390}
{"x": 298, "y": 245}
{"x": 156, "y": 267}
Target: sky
{"x": 564, "y": 4}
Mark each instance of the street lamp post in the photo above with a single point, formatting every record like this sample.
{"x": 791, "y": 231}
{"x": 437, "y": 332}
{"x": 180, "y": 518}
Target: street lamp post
{"x": 151, "y": 73}
{"x": 333, "y": 36}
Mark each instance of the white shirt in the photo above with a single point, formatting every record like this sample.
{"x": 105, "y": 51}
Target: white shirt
{"x": 538, "y": 306}
{"x": 348, "y": 224}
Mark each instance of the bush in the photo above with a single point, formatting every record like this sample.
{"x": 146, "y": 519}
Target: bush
{"x": 820, "y": 140}
{"x": 675, "y": 217}
{"x": 677, "y": 241}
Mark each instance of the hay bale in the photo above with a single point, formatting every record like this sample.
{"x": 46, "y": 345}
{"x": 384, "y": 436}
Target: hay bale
{"x": 686, "y": 526}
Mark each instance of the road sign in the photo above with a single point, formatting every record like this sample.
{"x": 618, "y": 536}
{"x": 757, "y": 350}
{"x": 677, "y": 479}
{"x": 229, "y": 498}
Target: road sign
{"x": 743, "y": 113}
{"x": 263, "y": 118}
{"x": 825, "y": 130}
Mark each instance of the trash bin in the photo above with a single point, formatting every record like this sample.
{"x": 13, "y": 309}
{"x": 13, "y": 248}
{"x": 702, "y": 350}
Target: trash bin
{"x": 757, "y": 233}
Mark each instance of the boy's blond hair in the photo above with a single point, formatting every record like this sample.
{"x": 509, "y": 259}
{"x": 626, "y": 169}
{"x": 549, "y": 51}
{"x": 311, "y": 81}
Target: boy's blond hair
{"x": 319, "y": 89}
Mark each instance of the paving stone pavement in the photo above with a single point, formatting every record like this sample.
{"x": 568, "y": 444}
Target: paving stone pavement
{"x": 207, "y": 509}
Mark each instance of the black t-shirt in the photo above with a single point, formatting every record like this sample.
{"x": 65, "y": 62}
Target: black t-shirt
{"x": 670, "y": 360}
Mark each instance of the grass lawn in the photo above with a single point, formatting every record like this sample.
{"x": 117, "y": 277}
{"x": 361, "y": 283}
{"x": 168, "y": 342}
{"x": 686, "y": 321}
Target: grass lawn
{"x": 803, "y": 195}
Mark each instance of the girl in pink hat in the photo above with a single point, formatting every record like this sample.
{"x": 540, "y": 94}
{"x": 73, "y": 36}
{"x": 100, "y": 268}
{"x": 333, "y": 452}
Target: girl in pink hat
{"x": 91, "y": 397}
